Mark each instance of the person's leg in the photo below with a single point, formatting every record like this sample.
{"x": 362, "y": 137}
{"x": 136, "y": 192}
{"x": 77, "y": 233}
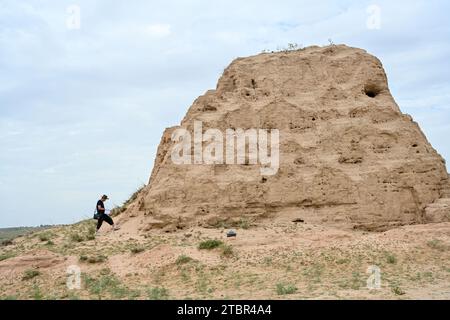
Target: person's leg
{"x": 100, "y": 221}
{"x": 109, "y": 220}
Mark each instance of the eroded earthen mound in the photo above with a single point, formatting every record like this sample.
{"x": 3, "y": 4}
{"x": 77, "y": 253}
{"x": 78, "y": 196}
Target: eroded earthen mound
{"x": 348, "y": 156}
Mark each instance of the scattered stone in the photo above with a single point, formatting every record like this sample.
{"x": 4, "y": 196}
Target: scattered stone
{"x": 231, "y": 233}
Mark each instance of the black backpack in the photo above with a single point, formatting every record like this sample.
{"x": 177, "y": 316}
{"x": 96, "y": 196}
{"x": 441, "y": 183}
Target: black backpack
{"x": 96, "y": 214}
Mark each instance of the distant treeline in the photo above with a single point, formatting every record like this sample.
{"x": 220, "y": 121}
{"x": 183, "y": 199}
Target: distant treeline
{"x": 11, "y": 233}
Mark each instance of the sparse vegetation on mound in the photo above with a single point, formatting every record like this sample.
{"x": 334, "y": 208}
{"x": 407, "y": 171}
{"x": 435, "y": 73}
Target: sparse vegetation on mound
{"x": 119, "y": 209}
{"x": 6, "y": 255}
{"x": 283, "y": 289}
{"x": 107, "y": 285}
{"x": 437, "y": 245}
{"x": 175, "y": 267}
{"x": 137, "y": 249}
{"x": 93, "y": 259}
{"x": 183, "y": 259}
{"x": 158, "y": 293}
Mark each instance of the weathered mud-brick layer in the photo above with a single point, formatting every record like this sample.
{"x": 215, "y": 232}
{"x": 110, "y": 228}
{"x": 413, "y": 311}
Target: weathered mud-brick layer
{"x": 348, "y": 156}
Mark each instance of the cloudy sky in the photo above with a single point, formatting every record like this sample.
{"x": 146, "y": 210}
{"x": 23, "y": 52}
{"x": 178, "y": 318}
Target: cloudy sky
{"x": 83, "y": 102}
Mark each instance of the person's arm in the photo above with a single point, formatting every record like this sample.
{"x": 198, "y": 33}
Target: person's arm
{"x": 99, "y": 207}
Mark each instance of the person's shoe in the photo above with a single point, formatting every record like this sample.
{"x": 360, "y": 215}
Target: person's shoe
{"x": 115, "y": 228}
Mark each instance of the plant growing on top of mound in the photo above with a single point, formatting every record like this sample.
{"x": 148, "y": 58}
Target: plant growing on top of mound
{"x": 119, "y": 209}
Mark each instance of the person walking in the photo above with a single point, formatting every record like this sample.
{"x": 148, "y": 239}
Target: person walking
{"x": 102, "y": 216}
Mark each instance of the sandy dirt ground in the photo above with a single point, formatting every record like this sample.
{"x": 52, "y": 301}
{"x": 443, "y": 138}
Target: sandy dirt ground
{"x": 279, "y": 259}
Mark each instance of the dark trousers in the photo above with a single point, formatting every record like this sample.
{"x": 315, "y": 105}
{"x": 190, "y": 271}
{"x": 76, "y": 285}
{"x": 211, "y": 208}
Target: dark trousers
{"x": 104, "y": 217}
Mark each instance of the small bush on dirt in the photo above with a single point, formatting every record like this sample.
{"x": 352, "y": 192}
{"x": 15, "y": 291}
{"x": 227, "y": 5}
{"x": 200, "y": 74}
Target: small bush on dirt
{"x": 93, "y": 259}
{"x": 106, "y": 285}
{"x": 137, "y": 249}
{"x": 75, "y": 237}
{"x": 183, "y": 259}
{"x": 37, "y": 293}
{"x": 283, "y": 289}
{"x": 210, "y": 244}
{"x": 45, "y": 236}
{"x": 390, "y": 258}
{"x": 244, "y": 224}
{"x": 6, "y": 256}
{"x": 7, "y": 242}
{"x": 91, "y": 232}
{"x": 158, "y": 294}
{"x": 397, "y": 291}
{"x": 30, "y": 274}
{"x": 437, "y": 244}
{"x": 227, "y": 250}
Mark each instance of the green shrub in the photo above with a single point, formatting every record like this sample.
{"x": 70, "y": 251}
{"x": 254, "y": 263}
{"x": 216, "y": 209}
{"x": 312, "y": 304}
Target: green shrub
{"x": 7, "y": 242}
{"x": 283, "y": 289}
{"x": 158, "y": 294}
{"x": 244, "y": 224}
{"x": 91, "y": 232}
{"x": 183, "y": 259}
{"x": 6, "y": 256}
{"x": 397, "y": 291}
{"x": 137, "y": 249}
{"x": 37, "y": 294}
{"x": 75, "y": 237}
{"x": 93, "y": 259}
{"x": 45, "y": 236}
{"x": 227, "y": 250}
{"x": 30, "y": 274}
{"x": 390, "y": 258}
{"x": 437, "y": 244}
{"x": 210, "y": 244}
{"x": 107, "y": 284}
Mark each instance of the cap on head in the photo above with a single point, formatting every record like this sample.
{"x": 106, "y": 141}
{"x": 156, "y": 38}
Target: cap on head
{"x": 105, "y": 197}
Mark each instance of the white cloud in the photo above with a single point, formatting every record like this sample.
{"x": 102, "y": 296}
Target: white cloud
{"x": 49, "y": 171}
